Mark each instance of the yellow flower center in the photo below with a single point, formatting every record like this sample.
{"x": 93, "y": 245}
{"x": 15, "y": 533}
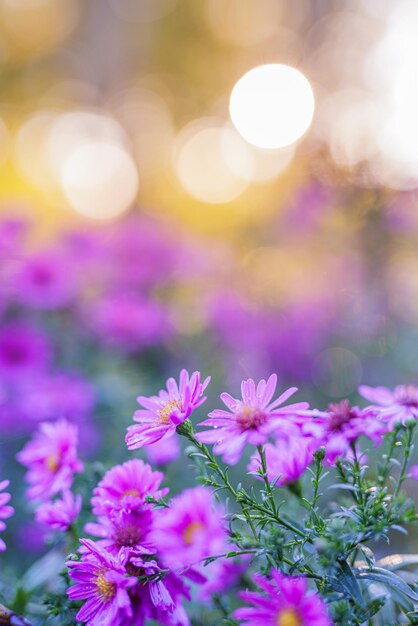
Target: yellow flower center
{"x": 165, "y": 412}
{"x": 52, "y": 463}
{"x": 105, "y": 589}
{"x": 190, "y": 531}
{"x": 288, "y": 617}
{"x": 130, "y": 492}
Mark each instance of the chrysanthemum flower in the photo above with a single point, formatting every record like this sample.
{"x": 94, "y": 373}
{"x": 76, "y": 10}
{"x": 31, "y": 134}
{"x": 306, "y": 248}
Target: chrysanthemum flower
{"x": 51, "y": 459}
{"x": 251, "y": 419}
{"x": 126, "y": 487}
{"x": 101, "y": 580}
{"x": 163, "y": 413}
{"x": 123, "y": 529}
{"x": 393, "y": 407}
{"x": 6, "y": 510}
{"x": 286, "y": 460}
{"x": 341, "y": 425}
{"x": 284, "y": 601}
{"x": 192, "y": 529}
{"x": 60, "y": 514}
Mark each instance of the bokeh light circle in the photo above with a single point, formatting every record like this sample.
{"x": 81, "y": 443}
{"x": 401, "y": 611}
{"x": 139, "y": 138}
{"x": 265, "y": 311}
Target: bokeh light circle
{"x": 100, "y": 180}
{"x": 272, "y": 106}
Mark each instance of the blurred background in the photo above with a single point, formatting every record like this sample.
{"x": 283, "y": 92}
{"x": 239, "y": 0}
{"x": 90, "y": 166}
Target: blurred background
{"x": 229, "y": 185}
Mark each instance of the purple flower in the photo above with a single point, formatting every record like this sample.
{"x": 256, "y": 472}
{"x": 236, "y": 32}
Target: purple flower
{"x": 51, "y": 459}
{"x": 128, "y": 322}
{"x": 128, "y": 529}
{"x": 6, "y": 510}
{"x": 393, "y": 407}
{"x": 341, "y": 425}
{"x": 250, "y": 419}
{"x": 164, "y": 451}
{"x": 24, "y": 350}
{"x": 163, "y": 413}
{"x": 413, "y": 472}
{"x": 101, "y": 580}
{"x": 46, "y": 281}
{"x": 222, "y": 574}
{"x": 192, "y": 529}
{"x": 60, "y": 514}
{"x": 284, "y": 601}
{"x": 157, "y": 599}
{"x": 125, "y": 487}
{"x": 286, "y": 460}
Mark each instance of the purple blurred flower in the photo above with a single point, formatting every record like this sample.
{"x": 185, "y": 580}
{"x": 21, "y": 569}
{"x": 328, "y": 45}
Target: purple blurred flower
{"x": 250, "y": 419}
{"x": 51, "y": 459}
{"x": 164, "y": 451}
{"x": 393, "y": 407}
{"x": 192, "y": 529}
{"x": 6, "y": 510}
{"x": 60, "y": 393}
{"x": 128, "y": 321}
{"x": 222, "y": 574}
{"x": 413, "y": 472}
{"x": 24, "y": 350}
{"x": 60, "y": 514}
{"x": 286, "y": 460}
{"x": 46, "y": 280}
{"x": 101, "y": 580}
{"x": 125, "y": 487}
{"x": 163, "y": 413}
{"x": 283, "y": 601}
{"x": 341, "y": 425}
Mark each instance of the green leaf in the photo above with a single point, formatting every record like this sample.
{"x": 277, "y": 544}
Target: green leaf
{"x": 384, "y": 576}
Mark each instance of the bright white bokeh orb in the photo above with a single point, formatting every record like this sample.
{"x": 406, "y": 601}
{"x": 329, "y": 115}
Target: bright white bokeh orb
{"x": 272, "y": 106}
{"x": 100, "y": 180}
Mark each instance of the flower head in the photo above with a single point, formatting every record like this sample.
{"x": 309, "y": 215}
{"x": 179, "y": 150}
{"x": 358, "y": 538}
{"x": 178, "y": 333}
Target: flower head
{"x": 192, "y": 529}
{"x": 126, "y": 486}
{"x": 6, "y": 510}
{"x": 60, "y": 514}
{"x": 123, "y": 529}
{"x": 101, "y": 580}
{"x": 163, "y": 413}
{"x": 250, "y": 419}
{"x": 24, "y": 350}
{"x": 284, "y": 601}
{"x": 51, "y": 459}
{"x": 286, "y": 460}
{"x": 393, "y": 407}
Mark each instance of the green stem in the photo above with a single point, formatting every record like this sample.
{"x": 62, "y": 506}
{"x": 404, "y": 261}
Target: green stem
{"x": 407, "y": 454}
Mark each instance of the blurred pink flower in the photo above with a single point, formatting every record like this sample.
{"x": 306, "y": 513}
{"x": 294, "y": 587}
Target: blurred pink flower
{"x": 51, "y": 459}
{"x": 60, "y": 514}
{"x": 164, "y": 451}
{"x": 286, "y": 460}
{"x": 192, "y": 529}
{"x": 24, "y": 350}
{"x": 393, "y": 407}
{"x": 6, "y": 510}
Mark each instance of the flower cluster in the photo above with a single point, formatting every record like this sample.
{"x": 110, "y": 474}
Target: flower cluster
{"x": 51, "y": 459}
{"x": 141, "y": 564}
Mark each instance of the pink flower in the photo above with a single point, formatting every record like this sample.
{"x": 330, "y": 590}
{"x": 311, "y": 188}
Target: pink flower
{"x": 163, "y": 413}
{"x": 393, "y": 407}
{"x": 286, "y": 460}
{"x": 128, "y": 322}
{"x": 6, "y": 510}
{"x": 125, "y": 487}
{"x": 24, "y": 350}
{"x": 222, "y": 574}
{"x": 164, "y": 451}
{"x": 118, "y": 529}
{"x": 101, "y": 580}
{"x": 250, "y": 419}
{"x": 60, "y": 514}
{"x": 284, "y": 601}
{"x": 192, "y": 529}
{"x": 341, "y": 425}
{"x": 51, "y": 459}
{"x": 413, "y": 472}
{"x": 46, "y": 281}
